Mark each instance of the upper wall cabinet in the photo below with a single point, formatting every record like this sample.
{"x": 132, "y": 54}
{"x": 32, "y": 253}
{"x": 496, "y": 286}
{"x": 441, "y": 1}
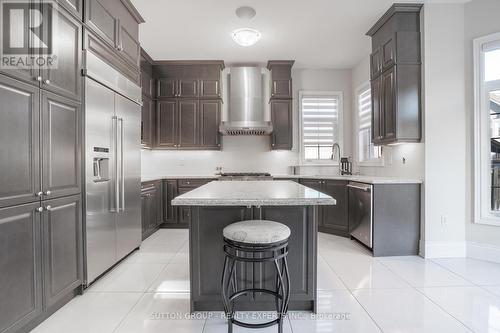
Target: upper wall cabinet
{"x": 66, "y": 79}
{"x": 75, "y": 7}
{"x": 189, "y": 104}
{"x": 395, "y": 70}
{"x": 117, "y": 23}
{"x": 281, "y": 104}
{"x": 281, "y": 78}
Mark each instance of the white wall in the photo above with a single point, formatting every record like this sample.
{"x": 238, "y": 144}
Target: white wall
{"x": 481, "y": 19}
{"x": 252, "y": 153}
{"x": 445, "y": 139}
{"x": 393, "y": 155}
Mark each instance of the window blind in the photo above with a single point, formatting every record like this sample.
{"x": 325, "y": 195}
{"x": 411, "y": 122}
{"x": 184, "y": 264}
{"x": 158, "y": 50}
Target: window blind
{"x": 365, "y": 109}
{"x": 320, "y": 121}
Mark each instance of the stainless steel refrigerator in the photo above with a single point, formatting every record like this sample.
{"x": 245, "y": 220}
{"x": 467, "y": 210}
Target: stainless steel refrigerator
{"x": 112, "y": 167}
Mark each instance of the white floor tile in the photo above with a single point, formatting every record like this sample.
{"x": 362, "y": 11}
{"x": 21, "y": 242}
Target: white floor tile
{"x": 90, "y": 313}
{"x": 154, "y": 255}
{"x": 175, "y": 278}
{"x": 338, "y": 311}
{"x": 476, "y": 308}
{"x": 217, "y": 323}
{"x": 419, "y": 272}
{"x": 129, "y": 278}
{"x": 362, "y": 275}
{"x": 161, "y": 313}
{"x": 406, "y": 310}
{"x": 476, "y": 271}
{"x": 493, "y": 289}
{"x": 327, "y": 279}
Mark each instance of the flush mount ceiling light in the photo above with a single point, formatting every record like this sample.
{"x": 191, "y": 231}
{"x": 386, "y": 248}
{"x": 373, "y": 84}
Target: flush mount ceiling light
{"x": 246, "y": 36}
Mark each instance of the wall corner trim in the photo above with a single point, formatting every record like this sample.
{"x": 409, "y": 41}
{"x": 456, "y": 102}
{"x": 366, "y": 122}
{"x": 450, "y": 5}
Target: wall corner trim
{"x": 486, "y": 252}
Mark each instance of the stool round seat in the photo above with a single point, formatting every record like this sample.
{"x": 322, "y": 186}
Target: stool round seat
{"x": 257, "y": 232}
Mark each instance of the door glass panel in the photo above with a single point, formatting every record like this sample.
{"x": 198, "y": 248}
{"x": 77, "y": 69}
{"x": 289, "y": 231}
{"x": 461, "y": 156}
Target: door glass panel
{"x": 492, "y": 65}
{"x": 494, "y": 102}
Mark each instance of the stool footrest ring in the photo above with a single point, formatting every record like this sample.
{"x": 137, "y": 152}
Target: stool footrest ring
{"x": 254, "y": 290}
{"x": 260, "y": 325}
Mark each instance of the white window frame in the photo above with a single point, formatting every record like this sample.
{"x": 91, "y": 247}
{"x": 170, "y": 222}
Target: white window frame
{"x": 376, "y": 162}
{"x": 340, "y": 96}
{"x": 482, "y": 171}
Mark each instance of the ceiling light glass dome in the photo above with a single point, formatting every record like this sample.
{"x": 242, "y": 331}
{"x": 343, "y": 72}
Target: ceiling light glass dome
{"x": 246, "y": 36}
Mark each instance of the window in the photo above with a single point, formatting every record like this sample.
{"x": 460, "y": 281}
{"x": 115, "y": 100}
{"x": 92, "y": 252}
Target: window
{"x": 368, "y": 153}
{"x": 321, "y": 125}
{"x": 487, "y": 129}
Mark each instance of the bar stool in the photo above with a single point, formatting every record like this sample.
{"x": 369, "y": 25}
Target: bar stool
{"x": 256, "y": 241}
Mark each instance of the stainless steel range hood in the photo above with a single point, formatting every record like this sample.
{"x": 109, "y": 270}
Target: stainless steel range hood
{"x": 246, "y": 106}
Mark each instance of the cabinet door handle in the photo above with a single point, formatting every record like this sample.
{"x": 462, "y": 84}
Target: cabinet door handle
{"x": 47, "y": 192}
{"x": 39, "y": 209}
{"x": 38, "y": 194}
{"x": 39, "y": 78}
{"x": 48, "y": 208}
{"x": 46, "y": 81}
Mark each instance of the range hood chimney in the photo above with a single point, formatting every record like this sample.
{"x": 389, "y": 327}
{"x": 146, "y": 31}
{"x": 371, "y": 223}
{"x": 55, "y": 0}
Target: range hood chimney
{"x": 246, "y": 102}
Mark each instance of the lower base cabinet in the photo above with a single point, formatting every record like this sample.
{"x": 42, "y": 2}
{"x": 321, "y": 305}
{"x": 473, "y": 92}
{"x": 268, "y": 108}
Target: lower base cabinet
{"x": 40, "y": 260}
{"x": 151, "y": 207}
{"x": 178, "y": 217}
{"x": 332, "y": 219}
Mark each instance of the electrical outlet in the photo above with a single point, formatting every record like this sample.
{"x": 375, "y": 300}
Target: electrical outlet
{"x": 444, "y": 220}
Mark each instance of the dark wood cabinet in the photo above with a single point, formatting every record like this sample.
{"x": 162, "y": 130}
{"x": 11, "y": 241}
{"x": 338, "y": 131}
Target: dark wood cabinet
{"x": 61, "y": 146}
{"x": 169, "y": 193}
{"x": 20, "y": 137}
{"x": 335, "y": 218}
{"x": 281, "y": 104}
{"x": 62, "y": 236}
{"x": 167, "y": 88}
{"x": 188, "y": 127}
{"x": 116, "y": 22}
{"x": 210, "y": 111}
{"x": 100, "y": 17}
{"x": 166, "y": 124}
{"x": 377, "y": 115}
{"x": 75, "y": 7}
{"x": 187, "y": 87}
{"x": 281, "y": 118}
{"x": 281, "y": 78}
{"x": 151, "y": 207}
{"x": 20, "y": 267}
{"x": 178, "y": 216}
{"x": 332, "y": 219}
{"x": 147, "y": 122}
{"x": 396, "y": 76}
{"x": 66, "y": 79}
{"x": 210, "y": 88}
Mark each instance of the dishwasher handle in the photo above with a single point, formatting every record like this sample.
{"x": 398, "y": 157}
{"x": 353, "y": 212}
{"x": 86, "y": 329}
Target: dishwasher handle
{"x": 361, "y": 188}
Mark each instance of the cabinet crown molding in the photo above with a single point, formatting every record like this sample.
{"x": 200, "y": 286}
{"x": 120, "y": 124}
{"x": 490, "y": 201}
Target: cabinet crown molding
{"x": 395, "y": 8}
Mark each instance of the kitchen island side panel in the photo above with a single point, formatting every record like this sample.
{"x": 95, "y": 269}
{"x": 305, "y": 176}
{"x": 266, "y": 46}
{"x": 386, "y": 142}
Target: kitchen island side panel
{"x": 396, "y": 220}
{"x": 207, "y": 257}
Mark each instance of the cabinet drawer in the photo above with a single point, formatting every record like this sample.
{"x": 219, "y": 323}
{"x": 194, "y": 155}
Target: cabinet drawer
{"x": 192, "y": 182}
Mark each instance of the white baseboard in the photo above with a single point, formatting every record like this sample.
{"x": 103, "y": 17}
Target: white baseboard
{"x": 434, "y": 249}
{"x": 485, "y": 252}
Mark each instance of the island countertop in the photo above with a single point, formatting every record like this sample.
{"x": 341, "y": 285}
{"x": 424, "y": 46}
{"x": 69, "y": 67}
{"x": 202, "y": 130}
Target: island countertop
{"x": 253, "y": 193}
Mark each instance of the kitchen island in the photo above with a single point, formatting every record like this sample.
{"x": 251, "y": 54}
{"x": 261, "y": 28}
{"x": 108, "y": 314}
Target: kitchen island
{"x": 219, "y": 203}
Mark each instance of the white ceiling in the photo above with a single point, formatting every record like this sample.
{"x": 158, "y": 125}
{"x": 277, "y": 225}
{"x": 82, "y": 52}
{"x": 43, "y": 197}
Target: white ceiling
{"x": 315, "y": 33}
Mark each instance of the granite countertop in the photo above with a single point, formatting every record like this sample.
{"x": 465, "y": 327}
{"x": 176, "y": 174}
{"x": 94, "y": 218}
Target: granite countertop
{"x": 253, "y": 193}
{"x": 354, "y": 178}
{"x": 152, "y": 178}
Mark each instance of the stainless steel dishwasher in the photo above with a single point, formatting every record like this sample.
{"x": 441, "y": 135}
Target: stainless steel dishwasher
{"x": 361, "y": 212}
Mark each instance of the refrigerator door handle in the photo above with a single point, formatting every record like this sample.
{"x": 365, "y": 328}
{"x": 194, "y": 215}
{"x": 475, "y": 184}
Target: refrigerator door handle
{"x": 122, "y": 165}
{"x": 117, "y": 184}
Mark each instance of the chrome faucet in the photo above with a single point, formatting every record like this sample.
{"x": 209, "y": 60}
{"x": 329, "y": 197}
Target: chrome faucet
{"x": 336, "y": 145}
